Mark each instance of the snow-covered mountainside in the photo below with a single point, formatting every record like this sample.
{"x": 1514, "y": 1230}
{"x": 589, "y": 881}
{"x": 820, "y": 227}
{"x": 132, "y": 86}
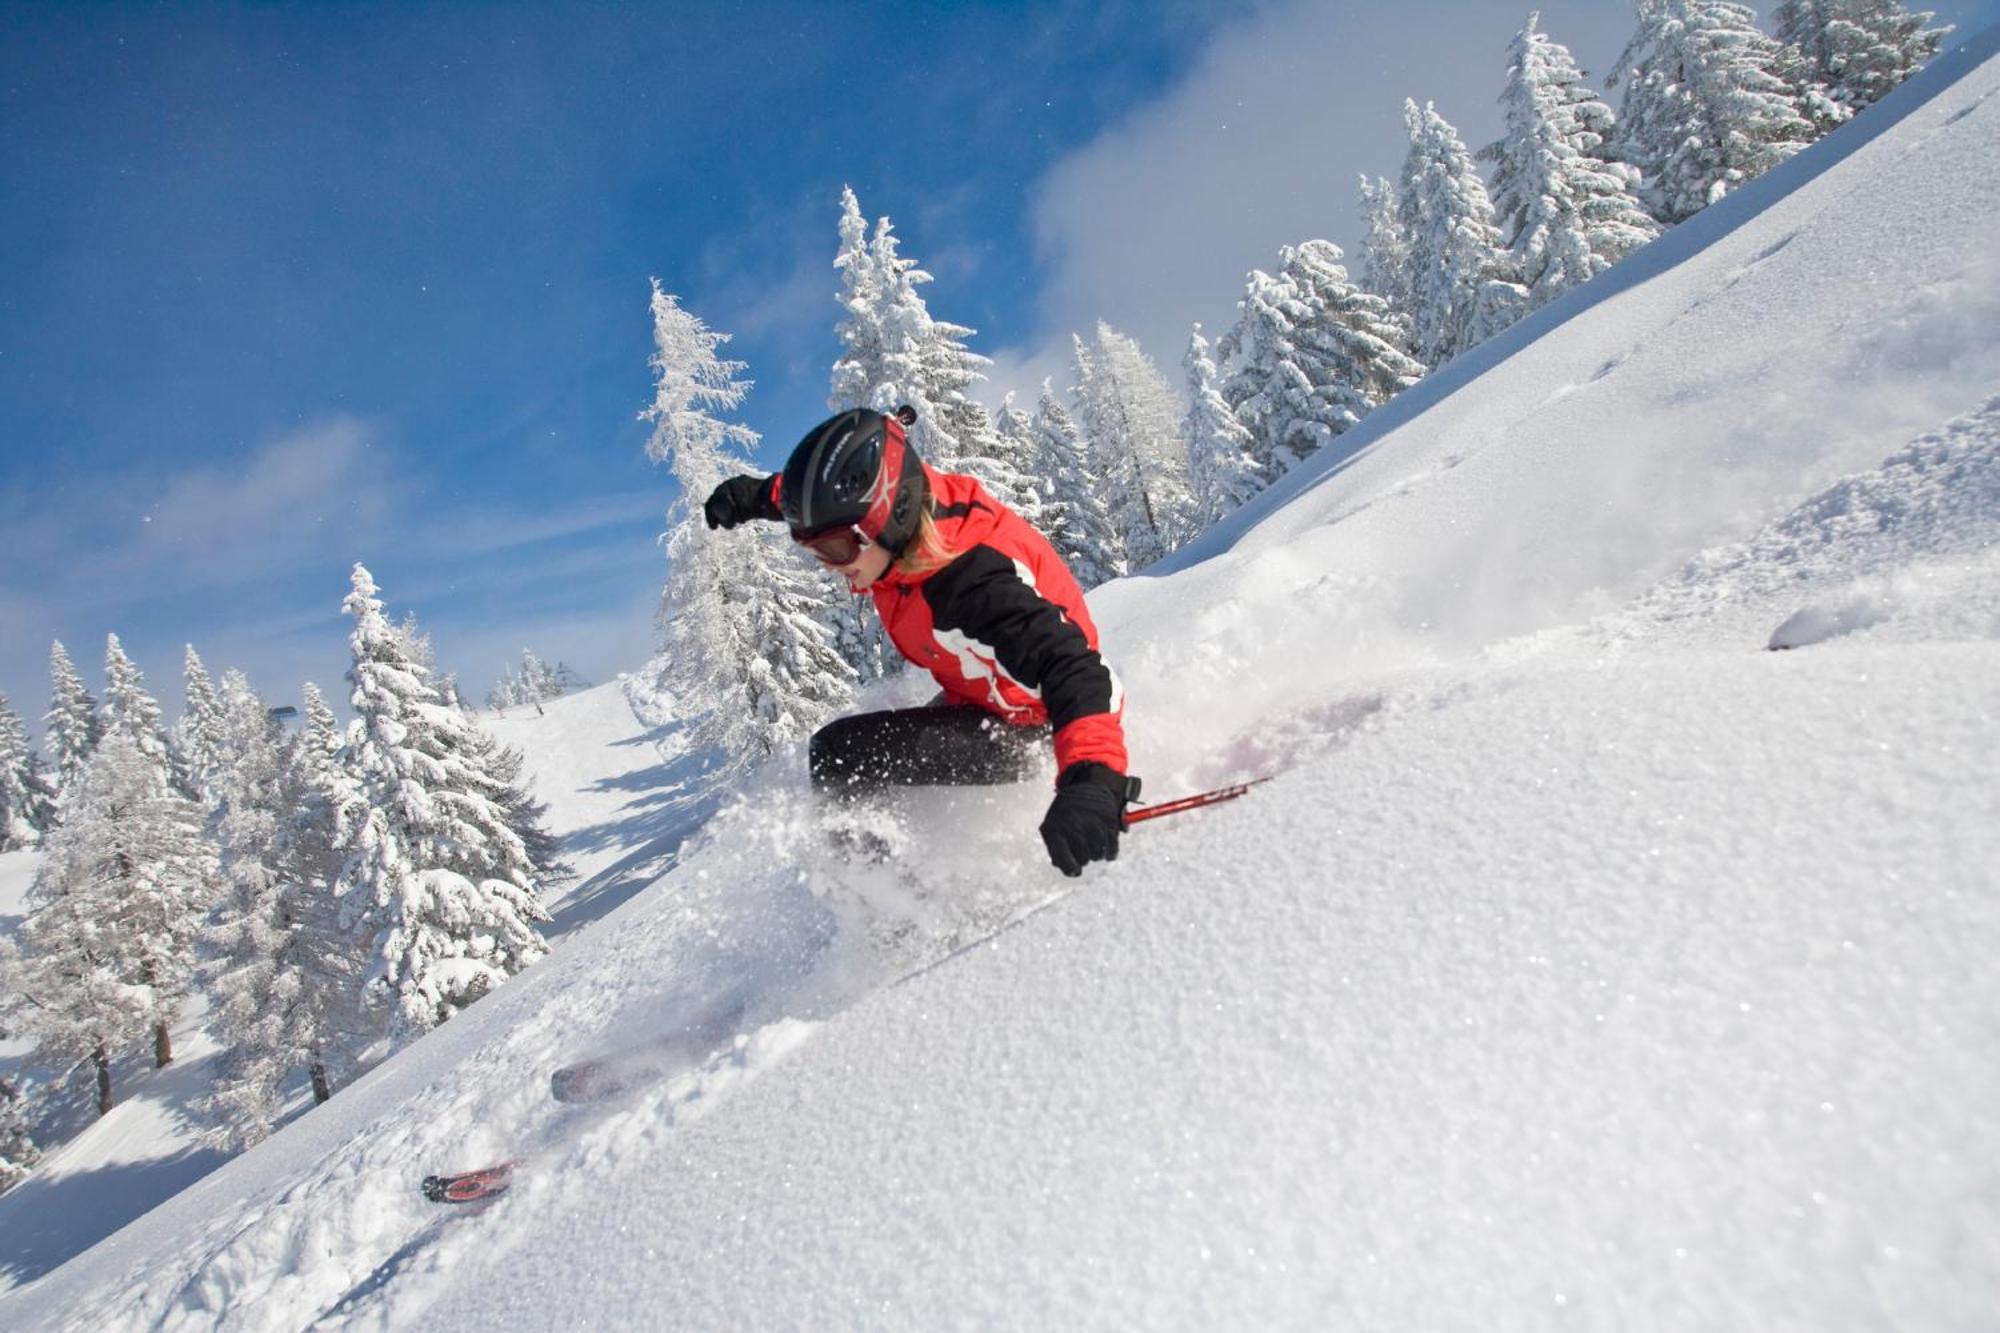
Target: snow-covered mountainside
{"x": 625, "y": 802}
{"x": 1585, "y": 961}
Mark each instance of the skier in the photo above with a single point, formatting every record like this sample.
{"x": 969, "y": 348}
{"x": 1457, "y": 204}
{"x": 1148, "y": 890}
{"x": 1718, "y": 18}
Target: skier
{"x": 970, "y": 592}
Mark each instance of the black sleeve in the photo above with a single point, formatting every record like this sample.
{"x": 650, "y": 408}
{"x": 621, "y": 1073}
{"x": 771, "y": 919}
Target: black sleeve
{"x": 983, "y": 595}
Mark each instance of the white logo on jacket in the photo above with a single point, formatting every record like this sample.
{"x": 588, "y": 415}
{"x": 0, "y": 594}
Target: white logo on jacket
{"x": 978, "y": 661}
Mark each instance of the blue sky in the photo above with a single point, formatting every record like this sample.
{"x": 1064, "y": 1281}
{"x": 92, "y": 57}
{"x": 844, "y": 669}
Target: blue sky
{"x": 285, "y": 287}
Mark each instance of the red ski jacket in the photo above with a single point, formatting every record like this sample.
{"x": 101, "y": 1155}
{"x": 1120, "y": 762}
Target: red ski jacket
{"x": 1003, "y": 626}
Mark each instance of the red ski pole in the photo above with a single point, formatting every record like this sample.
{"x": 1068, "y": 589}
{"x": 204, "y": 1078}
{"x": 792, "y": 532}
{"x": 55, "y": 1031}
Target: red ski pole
{"x": 1216, "y": 797}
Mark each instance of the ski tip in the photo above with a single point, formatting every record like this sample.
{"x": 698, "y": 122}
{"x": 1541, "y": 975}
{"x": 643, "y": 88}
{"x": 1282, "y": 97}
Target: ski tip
{"x": 584, "y": 1083}
{"x": 469, "y": 1186}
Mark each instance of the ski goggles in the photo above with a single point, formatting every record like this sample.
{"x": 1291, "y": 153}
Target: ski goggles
{"x": 840, "y": 545}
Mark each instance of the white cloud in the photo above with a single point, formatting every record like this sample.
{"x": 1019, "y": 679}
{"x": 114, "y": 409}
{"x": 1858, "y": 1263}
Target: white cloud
{"x": 249, "y": 558}
{"x": 1153, "y": 225}
{"x": 214, "y": 525}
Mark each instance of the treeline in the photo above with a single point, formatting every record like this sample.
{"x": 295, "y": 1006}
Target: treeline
{"x": 533, "y": 683}
{"x": 1451, "y": 257}
{"x": 334, "y": 893}
{"x": 760, "y": 648}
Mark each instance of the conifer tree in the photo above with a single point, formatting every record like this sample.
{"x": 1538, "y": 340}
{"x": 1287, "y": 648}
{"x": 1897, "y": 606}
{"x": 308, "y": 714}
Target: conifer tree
{"x": 71, "y": 725}
{"x": 197, "y": 737}
{"x": 128, "y": 709}
{"x": 417, "y": 643}
{"x": 746, "y": 657}
{"x": 443, "y": 883}
{"x": 250, "y": 798}
{"x": 107, "y": 946}
{"x": 894, "y": 352}
{"x": 1072, "y": 513}
{"x": 506, "y": 691}
{"x": 18, "y": 1153}
{"x": 863, "y": 363}
{"x": 287, "y": 976}
{"x": 539, "y": 680}
{"x": 527, "y": 814}
{"x": 1132, "y": 427}
{"x": 1708, "y": 104}
{"x": 1859, "y": 50}
{"x": 536, "y": 677}
{"x": 448, "y": 688}
{"x": 1568, "y": 209}
{"x": 1385, "y": 250}
{"x": 27, "y": 800}
{"x": 1222, "y": 468}
{"x": 1461, "y": 285}
{"x": 1311, "y": 355}
{"x": 1014, "y": 441}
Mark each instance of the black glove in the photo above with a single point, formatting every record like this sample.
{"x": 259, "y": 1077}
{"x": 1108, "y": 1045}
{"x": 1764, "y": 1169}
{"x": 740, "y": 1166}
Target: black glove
{"x": 739, "y": 500}
{"x": 1088, "y": 814}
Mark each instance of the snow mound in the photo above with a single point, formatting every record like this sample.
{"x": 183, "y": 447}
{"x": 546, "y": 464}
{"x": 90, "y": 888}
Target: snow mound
{"x": 1917, "y": 537}
{"x": 1830, "y": 619}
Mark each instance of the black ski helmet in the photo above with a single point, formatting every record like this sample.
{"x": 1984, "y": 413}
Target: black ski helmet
{"x": 857, "y": 469}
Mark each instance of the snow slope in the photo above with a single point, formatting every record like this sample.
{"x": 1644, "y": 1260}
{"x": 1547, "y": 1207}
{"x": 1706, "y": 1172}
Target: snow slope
{"x": 623, "y": 795}
{"x": 1585, "y": 962}
{"x": 625, "y": 800}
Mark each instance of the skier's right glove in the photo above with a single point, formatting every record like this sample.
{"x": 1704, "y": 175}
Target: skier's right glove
{"x": 739, "y": 500}
{"x": 1088, "y": 814}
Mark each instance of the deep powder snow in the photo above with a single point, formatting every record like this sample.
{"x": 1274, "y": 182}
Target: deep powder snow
{"x": 1587, "y": 960}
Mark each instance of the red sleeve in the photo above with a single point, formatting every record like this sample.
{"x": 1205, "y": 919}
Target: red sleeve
{"x": 1097, "y": 738}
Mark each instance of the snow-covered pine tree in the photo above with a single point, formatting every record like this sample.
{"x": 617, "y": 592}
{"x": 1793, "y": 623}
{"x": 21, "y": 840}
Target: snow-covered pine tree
{"x": 286, "y": 976}
{"x": 27, "y": 802}
{"x": 1311, "y": 355}
{"x": 18, "y": 1153}
{"x": 197, "y": 736}
{"x": 864, "y": 355}
{"x": 107, "y": 946}
{"x": 443, "y": 882}
{"x": 526, "y": 814}
{"x": 1385, "y": 250}
{"x": 1857, "y": 49}
{"x": 1568, "y": 210}
{"x": 506, "y": 691}
{"x": 538, "y": 678}
{"x": 895, "y": 352}
{"x": 746, "y": 655}
{"x": 1461, "y": 282}
{"x": 330, "y": 1022}
{"x": 1132, "y": 425}
{"x": 128, "y": 709}
{"x": 1707, "y": 105}
{"x": 71, "y": 725}
{"x": 251, "y": 799}
{"x": 1014, "y": 445}
{"x": 1072, "y": 512}
{"x": 417, "y": 643}
{"x": 1222, "y": 469}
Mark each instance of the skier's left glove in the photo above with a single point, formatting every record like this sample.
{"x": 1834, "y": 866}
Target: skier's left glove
{"x": 1088, "y": 814}
{"x": 739, "y": 500}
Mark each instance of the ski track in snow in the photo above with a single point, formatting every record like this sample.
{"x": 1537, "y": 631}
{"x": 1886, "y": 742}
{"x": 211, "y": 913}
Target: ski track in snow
{"x": 1585, "y": 961}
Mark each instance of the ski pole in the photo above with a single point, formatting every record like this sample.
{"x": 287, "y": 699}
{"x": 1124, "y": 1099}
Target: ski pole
{"x": 1216, "y": 797}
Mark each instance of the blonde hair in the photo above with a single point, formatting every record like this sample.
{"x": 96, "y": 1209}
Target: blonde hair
{"x": 927, "y": 549}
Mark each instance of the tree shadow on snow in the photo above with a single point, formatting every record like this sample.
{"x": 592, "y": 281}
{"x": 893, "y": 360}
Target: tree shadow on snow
{"x": 47, "y": 1221}
{"x": 671, "y": 801}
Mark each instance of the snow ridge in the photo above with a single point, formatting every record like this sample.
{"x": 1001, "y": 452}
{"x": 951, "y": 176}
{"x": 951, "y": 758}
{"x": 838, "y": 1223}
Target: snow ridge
{"x": 1920, "y": 531}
